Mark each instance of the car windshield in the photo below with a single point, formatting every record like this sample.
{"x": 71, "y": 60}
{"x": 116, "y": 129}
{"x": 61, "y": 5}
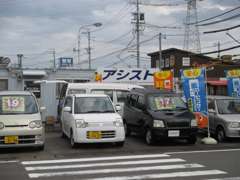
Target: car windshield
{"x": 76, "y": 91}
{"x": 93, "y": 105}
{"x": 17, "y": 104}
{"x": 157, "y": 103}
{"x": 228, "y": 106}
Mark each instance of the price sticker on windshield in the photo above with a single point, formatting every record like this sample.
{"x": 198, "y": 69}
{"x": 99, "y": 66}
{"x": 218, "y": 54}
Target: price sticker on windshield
{"x": 13, "y": 104}
{"x": 164, "y": 103}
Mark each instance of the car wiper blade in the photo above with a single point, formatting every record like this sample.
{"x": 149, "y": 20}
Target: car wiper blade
{"x": 93, "y": 112}
{"x": 181, "y": 108}
{"x": 108, "y": 111}
{"x": 164, "y": 110}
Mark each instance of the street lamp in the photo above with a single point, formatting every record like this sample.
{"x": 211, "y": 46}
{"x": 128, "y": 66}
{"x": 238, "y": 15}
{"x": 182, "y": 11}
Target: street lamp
{"x": 98, "y": 24}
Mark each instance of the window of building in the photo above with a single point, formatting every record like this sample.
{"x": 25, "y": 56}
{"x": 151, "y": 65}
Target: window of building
{"x": 3, "y": 84}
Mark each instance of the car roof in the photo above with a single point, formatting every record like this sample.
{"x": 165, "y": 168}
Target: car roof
{"x": 97, "y": 85}
{"x": 89, "y": 95}
{"x": 153, "y": 91}
{"x": 221, "y": 97}
{"x": 15, "y": 93}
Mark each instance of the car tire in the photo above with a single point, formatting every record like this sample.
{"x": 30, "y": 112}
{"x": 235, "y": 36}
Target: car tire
{"x": 41, "y": 148}
{"x": 120, "y": 143}
{"x": 127, "y": 130}
{"x": 192, "y": 140}
{"x": 149, "y": 138}
{"x": 63, "y": 135}
{"x": 72, "y": 142}
{"x": 220, "y": 134}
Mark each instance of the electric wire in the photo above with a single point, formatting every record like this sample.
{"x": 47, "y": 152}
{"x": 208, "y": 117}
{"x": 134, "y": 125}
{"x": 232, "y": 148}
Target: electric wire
{"x": 219, "y": 21}
{"x": 213, "y": 17}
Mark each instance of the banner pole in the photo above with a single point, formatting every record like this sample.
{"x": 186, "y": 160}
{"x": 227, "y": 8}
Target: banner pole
{"x": 206, "y": 88}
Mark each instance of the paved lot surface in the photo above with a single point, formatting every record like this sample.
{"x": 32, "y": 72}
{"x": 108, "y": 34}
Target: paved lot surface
{"x": 136, "y": 160}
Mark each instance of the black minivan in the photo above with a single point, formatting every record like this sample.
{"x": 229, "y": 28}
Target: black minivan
{"x": 157, "y": 115}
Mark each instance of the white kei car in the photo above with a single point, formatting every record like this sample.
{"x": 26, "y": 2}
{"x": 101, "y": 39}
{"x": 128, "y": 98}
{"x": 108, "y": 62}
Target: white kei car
{"x": 91, "y": 118}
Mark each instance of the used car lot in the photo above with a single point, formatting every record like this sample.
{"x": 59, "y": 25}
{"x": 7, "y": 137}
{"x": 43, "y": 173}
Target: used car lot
{"x": 159, "y": 115}
{"x": 57, "y": 147}
{"x": 20, "y": 120}
{"x": 91, "y": 118}
{"x": 224, "y": 117}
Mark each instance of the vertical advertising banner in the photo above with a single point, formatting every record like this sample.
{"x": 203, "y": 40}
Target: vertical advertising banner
{"x": 233, "y": 82}
{"x": 163, "y": 79}
{"x": 194, "y": 88}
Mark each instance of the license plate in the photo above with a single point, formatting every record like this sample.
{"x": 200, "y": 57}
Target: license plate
{"x": 94, "y": 135}
{"x": 173, "y": 133}
{"x": 11, "y": 139}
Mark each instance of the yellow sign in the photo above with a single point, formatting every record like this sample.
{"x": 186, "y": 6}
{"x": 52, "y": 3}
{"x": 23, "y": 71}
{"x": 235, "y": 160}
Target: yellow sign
{"x": 98, "y": 77}
{"x": 233, "y": 73}
{"x": 192, "y": 73}
{"x": 163, "y": 79}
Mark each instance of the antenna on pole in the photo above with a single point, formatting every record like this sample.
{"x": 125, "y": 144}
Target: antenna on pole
{"x": 191, "y": 36}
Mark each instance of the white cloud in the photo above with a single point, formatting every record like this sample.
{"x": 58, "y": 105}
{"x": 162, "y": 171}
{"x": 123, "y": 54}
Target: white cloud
{"x": 35, "y": 26}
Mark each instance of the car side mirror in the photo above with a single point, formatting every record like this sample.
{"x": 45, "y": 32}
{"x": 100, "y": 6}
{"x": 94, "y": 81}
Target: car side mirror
{"x": 211, "y": 111}
{"x": 67, "y": 109}
{"x": 118, "y": 107}
{"x": 42, "y": 109}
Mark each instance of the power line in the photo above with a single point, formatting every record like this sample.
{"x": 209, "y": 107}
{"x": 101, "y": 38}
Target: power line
{"x": 213, "y": 17}
{"x": 119, "y": 50}
{"x": 220, "y": 30}
{"x": 219, "y": 21}
{"x": 222, "y": 50}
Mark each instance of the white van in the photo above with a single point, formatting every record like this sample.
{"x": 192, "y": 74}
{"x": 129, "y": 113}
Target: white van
{"x": 20, "y": 120}
{"x": 116, "y": 91}
{"x": 91, "y": 118}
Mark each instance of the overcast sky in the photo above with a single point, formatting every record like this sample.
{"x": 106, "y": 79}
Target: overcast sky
{"x": 36, "y": 27}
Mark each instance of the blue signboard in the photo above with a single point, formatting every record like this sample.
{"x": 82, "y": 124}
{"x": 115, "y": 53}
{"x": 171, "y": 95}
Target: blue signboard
{"x": 194, "y": 88}
{"x": 233, "y": 83}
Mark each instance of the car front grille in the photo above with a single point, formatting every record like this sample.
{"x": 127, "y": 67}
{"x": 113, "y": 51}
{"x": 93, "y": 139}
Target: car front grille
{"x": 25, "y": 139}
{"x": 178, "y": 124}
{"x": 103, "y": 135}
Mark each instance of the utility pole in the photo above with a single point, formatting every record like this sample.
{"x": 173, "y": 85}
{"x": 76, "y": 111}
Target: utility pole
{"x": 138, "y": 36}
{"x": 78, "y": 50}
{"x": 89, "y": 49}
{"x": 218, "y": 45}
{"x": 20, "y": 56}
{"x": 54, "y": 60}
{"x": 160, "y": 50}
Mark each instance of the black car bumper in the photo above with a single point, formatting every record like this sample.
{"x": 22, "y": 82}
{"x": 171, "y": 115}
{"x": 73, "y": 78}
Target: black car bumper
{"x": 181, "y": 133}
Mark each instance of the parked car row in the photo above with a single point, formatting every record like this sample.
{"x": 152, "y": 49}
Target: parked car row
{"x": 90, "y": 117}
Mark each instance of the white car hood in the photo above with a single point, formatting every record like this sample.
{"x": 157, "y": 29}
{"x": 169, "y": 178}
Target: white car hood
{"x": 19, "y": 119}
{"x": 230, "y": 117}
{"x": 98, "y": 117}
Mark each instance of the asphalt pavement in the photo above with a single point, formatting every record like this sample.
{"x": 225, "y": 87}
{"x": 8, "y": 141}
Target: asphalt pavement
{"x": 136, "y": 160}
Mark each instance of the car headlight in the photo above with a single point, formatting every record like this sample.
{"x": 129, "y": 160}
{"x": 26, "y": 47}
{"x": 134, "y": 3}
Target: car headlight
{"x": 1, "y": 125}
{"x": 80, "y": 123}
{"x": 194, "y": 123}
{"x": 118, "y": 123}
{"x": 35, "y": 124}
{"x": 234, "y": 125}
{"x": 158, "y": 123}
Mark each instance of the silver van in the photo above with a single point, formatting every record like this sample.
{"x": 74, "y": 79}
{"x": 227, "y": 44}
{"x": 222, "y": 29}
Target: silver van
{"x": 224, "y": 116}
{"x": 20, "y": 120}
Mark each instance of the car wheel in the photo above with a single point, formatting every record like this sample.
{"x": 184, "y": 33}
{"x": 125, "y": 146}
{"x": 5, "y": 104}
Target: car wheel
{"x": 220, "y": 134}
{"x": 72, "y": 142}
{"x": 63, "y": 135}
{"x": 41, "y": 148}
{"x": 192, "y": 140}
{"x": 149, "y": 138}
{"x": 127, "y": 130}
{"x": 120, "y": 144}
